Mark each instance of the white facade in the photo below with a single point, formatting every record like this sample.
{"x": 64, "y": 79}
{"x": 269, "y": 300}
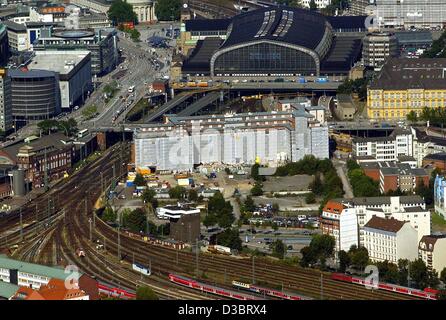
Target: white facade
{"x": 409, "y": 209}
{"x": 391, "y": 246}
{"x": 24, "y": 278}
{"x": 320, "y": 3}
{"x": 174, "y": 212}
{"x": 269, "y": 137}
{"x": 384, "y": 149}
{"x": 432, "y": 250}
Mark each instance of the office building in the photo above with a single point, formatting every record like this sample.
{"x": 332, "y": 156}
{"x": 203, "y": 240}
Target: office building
{"x": 319, "y": 3}
{"x": 35, "y": 95}
{"x": 410, "y": 13}
{"x": 269, "y": 137}
{"x": 101, "y": 44}
{"x": 377, "y": 48}
{"x": 406, "y": 85}
{"x": 17, "y": 37}
{"x": 358, "y": 7}
{"x": 6, "y": 120}
{"x": 4, "y": 47}
{"x": 74, "y": 72}
{"x": 398, "y": 143}
{"x": 439, "y": 198}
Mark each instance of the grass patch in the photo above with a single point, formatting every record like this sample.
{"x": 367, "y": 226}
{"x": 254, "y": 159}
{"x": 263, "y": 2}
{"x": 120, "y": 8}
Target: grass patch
{"x": 438, "y": 221}
{"x": 140, "y": 109}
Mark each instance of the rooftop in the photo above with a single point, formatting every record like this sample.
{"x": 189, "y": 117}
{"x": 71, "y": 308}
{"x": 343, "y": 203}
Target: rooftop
{"x": 62, "y": 62}
{"x": 404, "y": 73}
{"x": 50, "y": 272}
{"x": 430, "y": 241}
{"x": 7, "y": 290}
{"x": 389, "y": 225}
{"x": 365, "y": 201}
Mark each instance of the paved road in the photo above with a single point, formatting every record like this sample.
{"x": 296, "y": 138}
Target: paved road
{"x": 340, "y": 169}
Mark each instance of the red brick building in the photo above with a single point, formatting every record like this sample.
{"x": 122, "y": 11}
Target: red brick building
{"x": 436, "y": 160}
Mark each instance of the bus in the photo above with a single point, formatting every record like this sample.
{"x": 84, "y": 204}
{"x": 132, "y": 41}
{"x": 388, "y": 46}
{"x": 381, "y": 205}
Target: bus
{"x": 82, "y": 133}
{"x": 131, "y": 89}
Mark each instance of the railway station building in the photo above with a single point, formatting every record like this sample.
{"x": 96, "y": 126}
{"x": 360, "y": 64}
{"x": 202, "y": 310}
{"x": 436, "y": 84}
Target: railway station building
{"x": 272, "y": 42}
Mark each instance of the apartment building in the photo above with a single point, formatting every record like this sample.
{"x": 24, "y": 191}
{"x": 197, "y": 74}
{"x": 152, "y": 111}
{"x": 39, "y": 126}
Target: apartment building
{"x": 5, "y": 101}
{"x": 401, "y": 176}
{"x": 431, "y": 250}
{"x": 340, "y": 216}
{"x": 390, "y": 239}
{"x": 270, "y": 137}
{"x": 398, "y": 143}
{"x": 406, "y": 85}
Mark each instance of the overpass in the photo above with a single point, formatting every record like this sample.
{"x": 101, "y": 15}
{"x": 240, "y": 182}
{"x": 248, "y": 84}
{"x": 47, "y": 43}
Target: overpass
{"x": 200, "y": 104}
{"x": 268, "y": 86}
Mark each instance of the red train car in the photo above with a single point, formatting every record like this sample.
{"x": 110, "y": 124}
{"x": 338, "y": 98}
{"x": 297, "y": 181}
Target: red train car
{"x": 428, "y": 293}
{"x": 191, "y": 283}
{"x": 115, "y": 292}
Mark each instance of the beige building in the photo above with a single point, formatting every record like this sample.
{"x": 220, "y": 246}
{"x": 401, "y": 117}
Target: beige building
{"x": 390, "y": 239}
{"x": 432, "y": 250}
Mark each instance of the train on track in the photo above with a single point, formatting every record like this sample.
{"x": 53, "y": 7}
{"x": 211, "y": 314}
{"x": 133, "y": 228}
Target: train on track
{"x": 267, "y": 291}
{"x": 191, "y": 283}
{"x": 141, "y": 269}
{"x": 115, "y": 292}
{"x": 428, "y": 293}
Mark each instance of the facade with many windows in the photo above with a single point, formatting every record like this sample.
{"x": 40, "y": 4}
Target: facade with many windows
{"x": 390, "y": 239}
{"x": 432, "y": 250}
{"x": 406, "y": 85}
{"x": 398, "y": 143}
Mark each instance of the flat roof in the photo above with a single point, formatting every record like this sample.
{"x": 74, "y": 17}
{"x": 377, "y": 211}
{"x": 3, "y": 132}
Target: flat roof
{"x": 7, "y": 290}
{"x": 62, "y": 62}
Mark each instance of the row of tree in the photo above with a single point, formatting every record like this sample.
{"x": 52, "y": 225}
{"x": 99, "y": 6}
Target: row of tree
{"x": 68, "y": 127}
{"x": 435, "y": 116}
{"x": 362, "y": 185}
{"x": 437, "y": 49}
{"x": 121, "y": 11}
{"x": 133, "y": 220}
{"x": 358, "y": 86}
{"x": 220, "y": 212}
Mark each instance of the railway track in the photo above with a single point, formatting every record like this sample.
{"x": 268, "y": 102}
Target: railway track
{"x": 68, "y": 229}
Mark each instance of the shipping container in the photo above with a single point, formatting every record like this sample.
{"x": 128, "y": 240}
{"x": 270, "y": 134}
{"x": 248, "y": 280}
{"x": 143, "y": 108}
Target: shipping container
{"x": 130, "y": 183}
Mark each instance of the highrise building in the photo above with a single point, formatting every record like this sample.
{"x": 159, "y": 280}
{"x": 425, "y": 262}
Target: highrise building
{"x": 5, "y": 101}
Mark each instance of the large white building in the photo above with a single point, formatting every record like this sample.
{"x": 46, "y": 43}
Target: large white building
{"x": 410, "y": 13}
{"x": 340, "y": 215}
{"x": 270, "y": 137}
{"x": 74, "y": 69}
{"x": 439, "y": 198}
{"x": 175, "y": 212}
{"x": 390, "y": 239}
{"x": 390, "y": 148}
{"x": 432, "y": 250}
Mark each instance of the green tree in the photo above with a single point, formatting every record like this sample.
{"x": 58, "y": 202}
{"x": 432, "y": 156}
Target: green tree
{"x": 192, "y": 195}
{"x": 310, "y": 198}
{"x": 344, "y": 260}
{"x": 134, "y": 35}
{"x": 89, "y": 112}
{"x": 443, "y": 275}
{"x": 320, "y": 249}
{"x": 313, "y": 5}
{"x": 139, "y": 180}
{"x": 316, "y": 185}
{"x": 148, "y": 195}
{"x": 278, "y": 249}
{"x": 47, "y": 126}
{"x": 230, "y": 238}
{"x": 177, "y": 192}
{"x": 257, "y": 190}
{"x": 135, "y": 221}
{"x": 418, "y": 273}
{"x": 388, "y": 272}
{"x": 412, "y": 116}
{"x": 359, "y": 257}
{"x": 120, "y": 11}
{"x": 255, "y": 172}
{"x": 403, "y": 271}
{"x": 167, "y": 10}
{"x": 210, "y": 220}
{"x": 146, "y": 293}
{"x": 249, "y": 204}
{"x": 221, "y": 209}
{"x": 109, "y": 215}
